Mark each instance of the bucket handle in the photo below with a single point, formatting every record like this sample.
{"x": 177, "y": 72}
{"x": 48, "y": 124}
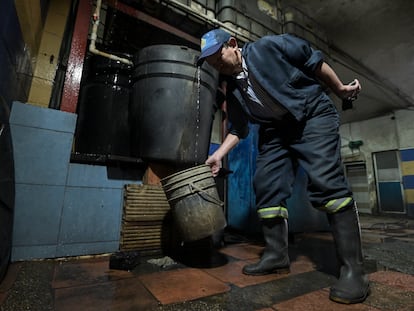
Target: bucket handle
{"x": 195, "y": 189}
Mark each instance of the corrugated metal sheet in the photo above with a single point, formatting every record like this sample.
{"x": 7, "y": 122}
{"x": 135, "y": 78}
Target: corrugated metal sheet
{"x": 146, "y": 223}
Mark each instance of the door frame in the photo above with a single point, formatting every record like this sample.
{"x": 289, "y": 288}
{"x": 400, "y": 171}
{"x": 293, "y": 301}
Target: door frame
{"x": 347, "y": 165}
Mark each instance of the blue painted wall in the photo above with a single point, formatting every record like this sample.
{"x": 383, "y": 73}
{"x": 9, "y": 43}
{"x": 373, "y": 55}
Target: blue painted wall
{"x": 407, "y": 164}
{"x": 61, "y": 208}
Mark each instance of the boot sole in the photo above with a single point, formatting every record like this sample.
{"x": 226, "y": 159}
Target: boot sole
{"x": 350, "y": 301}
{"x": 274, "y": 271}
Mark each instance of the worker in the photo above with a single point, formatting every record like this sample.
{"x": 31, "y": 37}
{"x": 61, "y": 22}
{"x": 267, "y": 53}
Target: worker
{"x": 279, "y": 82}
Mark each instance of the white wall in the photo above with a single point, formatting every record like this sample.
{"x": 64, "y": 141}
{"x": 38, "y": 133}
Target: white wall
{"x": 405, "y": 128}
{"x": 391, "y": 132}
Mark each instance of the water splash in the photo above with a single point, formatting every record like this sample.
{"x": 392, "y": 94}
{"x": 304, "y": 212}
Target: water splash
{"x": 198, "y": 115}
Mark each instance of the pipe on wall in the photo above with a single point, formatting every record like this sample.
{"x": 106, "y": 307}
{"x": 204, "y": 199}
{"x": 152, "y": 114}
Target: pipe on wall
{"x": 210, "y": 20}
{"x": 92, "y": 47}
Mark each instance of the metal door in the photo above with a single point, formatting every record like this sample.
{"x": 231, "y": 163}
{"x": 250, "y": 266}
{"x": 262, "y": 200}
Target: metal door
{"x": 241, "y": 207}
{"x": 389, "y": 182}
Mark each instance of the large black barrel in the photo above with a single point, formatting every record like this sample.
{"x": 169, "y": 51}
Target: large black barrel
{"x": 6, "y": 188}
{"x": 171, "y": 111}
{"x": 103, "y": 108}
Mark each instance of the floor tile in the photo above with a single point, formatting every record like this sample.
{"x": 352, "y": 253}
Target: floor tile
{"x": 327, "y": 236}
{"x": 8, "y": 280}
{"x": 394, "y": 279}
{"x": 387, "y": 298}
{"x": 3, "y": 296}
{"x": 89, "y": 284}
{"x": 372, "y": 237}
{"x": 406, "y": 239}
{"x": 75, "y": 273}
{"x": 10, "y": 277}
{"x": 182, "y": 285}
{"x": 127, "y": 294}
{"x": 232, "y": 273}
{"x": 243, "y": 251}
{"x": 301, "y": 264}
{"x": 319, "y": 301}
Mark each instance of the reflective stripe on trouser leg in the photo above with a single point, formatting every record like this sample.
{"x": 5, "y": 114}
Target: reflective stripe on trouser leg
{"x": 272, "y": 212}
{"x": 335, "y": 205}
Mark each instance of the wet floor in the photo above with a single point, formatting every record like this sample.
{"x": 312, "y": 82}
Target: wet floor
{"x": 200, "y": 277}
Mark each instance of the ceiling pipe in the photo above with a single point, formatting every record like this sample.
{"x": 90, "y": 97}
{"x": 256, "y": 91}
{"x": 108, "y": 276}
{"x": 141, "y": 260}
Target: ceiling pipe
{"x": 204, "y": 17}
{"x": 92, "y": 47}
{"x": 212, "y": 21}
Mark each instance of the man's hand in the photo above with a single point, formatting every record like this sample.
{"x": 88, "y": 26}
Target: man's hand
{"x": 326, "y": 74}
{"x": 351, "y": 90}
{"x": 215, "y": 164}
{"x": 214, "y": 161}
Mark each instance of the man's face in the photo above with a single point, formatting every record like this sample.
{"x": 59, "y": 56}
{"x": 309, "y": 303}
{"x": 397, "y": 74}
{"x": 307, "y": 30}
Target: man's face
{"x": 226, "y": 60}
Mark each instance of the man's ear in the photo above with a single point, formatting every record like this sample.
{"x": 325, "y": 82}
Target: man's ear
{"x": 232, "y": 42}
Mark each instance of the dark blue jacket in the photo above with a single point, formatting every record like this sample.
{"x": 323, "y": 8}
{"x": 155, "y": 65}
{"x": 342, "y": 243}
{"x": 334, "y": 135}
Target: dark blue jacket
{"x": 284, "y": 65}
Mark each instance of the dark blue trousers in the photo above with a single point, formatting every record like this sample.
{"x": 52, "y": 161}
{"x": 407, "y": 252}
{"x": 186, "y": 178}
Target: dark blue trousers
{"x": 314, "y": 144}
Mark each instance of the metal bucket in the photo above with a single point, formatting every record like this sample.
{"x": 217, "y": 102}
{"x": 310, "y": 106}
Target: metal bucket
{"x": 196, "y": 207}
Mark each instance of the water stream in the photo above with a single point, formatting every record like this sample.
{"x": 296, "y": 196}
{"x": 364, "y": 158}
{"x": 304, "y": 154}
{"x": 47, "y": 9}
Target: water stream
{"x": 198, "y": 115}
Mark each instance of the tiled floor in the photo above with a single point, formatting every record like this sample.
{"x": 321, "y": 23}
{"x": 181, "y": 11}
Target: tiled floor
{"x": 214, "y": 281}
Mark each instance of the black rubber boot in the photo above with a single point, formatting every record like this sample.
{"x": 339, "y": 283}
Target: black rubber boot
{"x": 275, "y": 258}
{"x": 353, "y": 284}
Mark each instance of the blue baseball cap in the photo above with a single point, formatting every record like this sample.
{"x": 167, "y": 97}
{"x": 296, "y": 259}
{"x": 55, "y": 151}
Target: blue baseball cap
{"x": 211, "y": 42}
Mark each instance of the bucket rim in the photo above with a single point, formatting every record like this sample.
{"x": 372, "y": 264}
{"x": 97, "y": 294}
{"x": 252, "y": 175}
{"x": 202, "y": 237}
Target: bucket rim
{"x": 179, "y": 183}
{"x": 172, "y": 196}
{"x": 194, "y": 168}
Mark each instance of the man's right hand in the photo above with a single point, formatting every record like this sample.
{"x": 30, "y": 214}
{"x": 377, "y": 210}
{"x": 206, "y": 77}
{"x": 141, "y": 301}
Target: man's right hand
{"x": 215, "y": 164}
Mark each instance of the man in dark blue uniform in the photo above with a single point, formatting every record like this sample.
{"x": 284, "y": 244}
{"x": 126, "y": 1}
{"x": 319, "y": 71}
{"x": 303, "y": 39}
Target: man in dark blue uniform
{"x": 275, "y": 82}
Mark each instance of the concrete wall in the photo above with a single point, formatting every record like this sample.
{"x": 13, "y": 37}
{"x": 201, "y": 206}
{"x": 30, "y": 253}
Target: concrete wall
{"x": 392, "y": 132}
{"x": 47, "y": 57}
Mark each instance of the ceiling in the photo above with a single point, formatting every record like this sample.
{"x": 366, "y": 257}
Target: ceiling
{"x": 372, "y": 40}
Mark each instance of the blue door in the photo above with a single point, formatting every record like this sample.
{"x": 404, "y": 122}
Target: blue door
{"x": 389, "y": 182}
{"x": 241, "y": 210}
